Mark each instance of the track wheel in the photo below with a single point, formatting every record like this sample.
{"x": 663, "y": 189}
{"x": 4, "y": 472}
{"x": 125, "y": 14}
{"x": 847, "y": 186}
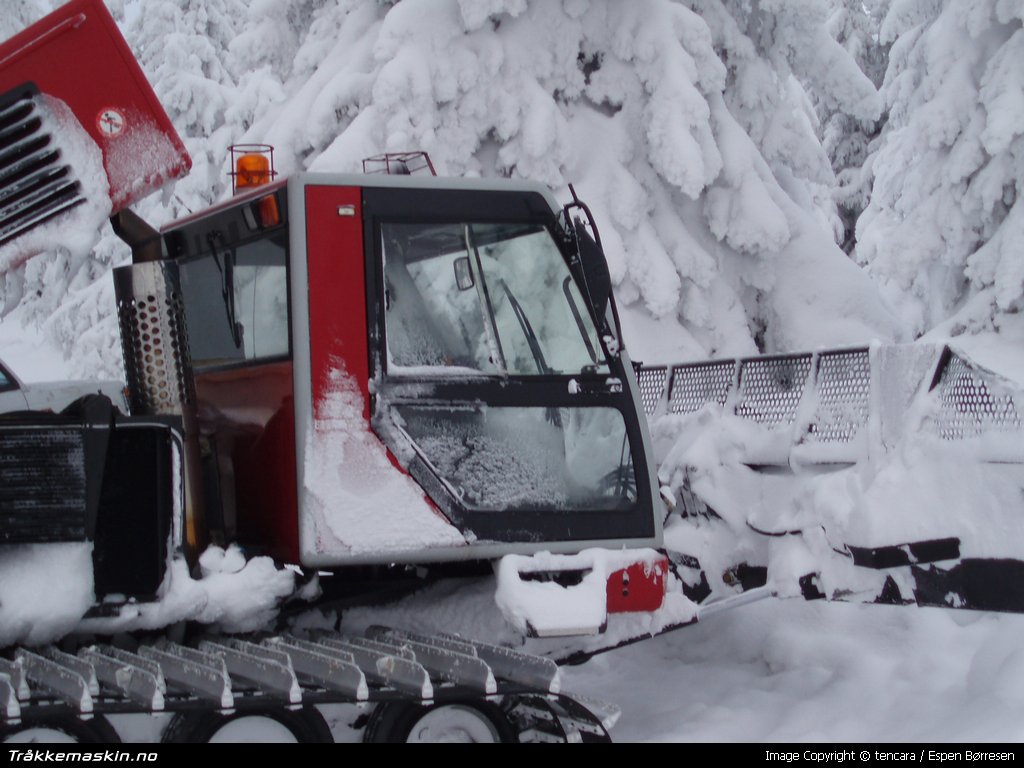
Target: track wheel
{"x": 253, "y": 726}
{"x": 61, "y": 729}
{"x": 458, "y": 721}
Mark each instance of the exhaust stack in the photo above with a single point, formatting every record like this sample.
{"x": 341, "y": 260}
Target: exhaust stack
{"x": 158, "y": 369}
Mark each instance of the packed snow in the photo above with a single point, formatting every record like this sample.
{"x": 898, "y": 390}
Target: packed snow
{"x": 357, "y": 503}
{"x": 727, "y": 149}
{"x": 46, "y": 590}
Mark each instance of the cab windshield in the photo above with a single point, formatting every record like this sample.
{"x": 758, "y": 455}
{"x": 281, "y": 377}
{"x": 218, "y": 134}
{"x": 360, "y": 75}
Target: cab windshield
{"x": 483, "y": 297}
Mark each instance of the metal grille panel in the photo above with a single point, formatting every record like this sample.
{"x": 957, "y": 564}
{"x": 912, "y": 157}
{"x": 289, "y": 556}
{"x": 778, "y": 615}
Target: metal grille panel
{"x": 770, "y": 388}
{"x": 844, "y": 396}
{"x": 34, "y": 185}
{"x": 968, "y": 407}
{"x": 693, "y": 386}
{"x": 652, "y": 386}
{"x": 42, "y": 485}
{"x": 834, "y": 406}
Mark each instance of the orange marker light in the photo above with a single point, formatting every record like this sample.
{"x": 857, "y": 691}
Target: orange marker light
{"x": 268, "y": 211}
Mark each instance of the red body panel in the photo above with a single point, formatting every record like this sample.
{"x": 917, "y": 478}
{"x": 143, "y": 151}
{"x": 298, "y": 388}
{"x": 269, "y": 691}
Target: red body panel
{"x": 637, "y": 588}
{"x": 337, "y": 291}
{"x": 338, "y": 334}
{"x": 77, "y": 54}
{"x": 251, "y": 411}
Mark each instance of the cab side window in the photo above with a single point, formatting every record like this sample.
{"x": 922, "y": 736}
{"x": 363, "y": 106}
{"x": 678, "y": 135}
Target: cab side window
{"x": 236, "y": 303}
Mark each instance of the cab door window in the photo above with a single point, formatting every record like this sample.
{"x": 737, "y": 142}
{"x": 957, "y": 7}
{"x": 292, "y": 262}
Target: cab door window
{"x": 236, "y": 303}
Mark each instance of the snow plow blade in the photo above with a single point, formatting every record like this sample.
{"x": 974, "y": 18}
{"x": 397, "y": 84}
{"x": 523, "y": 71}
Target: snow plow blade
{"x": 890, "y": 474}
{"x": 70, "y": 88}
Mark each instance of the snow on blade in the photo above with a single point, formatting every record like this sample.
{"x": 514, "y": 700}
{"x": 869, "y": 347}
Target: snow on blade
{"x": 548, "y": 608}
{"x": 931, "y": 461}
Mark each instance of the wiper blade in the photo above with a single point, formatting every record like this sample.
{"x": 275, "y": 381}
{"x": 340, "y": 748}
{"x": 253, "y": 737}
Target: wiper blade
{"x": 487, "y": 309}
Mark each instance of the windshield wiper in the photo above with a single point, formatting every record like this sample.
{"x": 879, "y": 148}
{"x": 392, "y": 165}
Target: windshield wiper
{"x": 227, "y": 286}
{"x": 524, "y": 323}
{"x": 487, "y": 309}
{"x": 579, "y": 321}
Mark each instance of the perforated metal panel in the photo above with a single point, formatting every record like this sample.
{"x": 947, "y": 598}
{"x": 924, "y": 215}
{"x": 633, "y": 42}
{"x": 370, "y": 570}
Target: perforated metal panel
{"x": 652, "y": 386}
{"x": 968, "y": 407}
{"x": 844, "y": 396}
{"x": 693, "y": 386}
{"x": 770, "y": 388}
{"x": 833, "y": 406}
{"x": 154, "y": 337}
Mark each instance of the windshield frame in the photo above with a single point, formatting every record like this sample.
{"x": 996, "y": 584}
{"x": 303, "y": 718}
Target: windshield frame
{"x": 521, "y": 327}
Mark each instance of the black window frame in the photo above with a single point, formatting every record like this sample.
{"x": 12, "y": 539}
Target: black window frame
{"x": 190, "y": 242}
{"x": 409, "y": 205}
{"x": 8, "y": 382}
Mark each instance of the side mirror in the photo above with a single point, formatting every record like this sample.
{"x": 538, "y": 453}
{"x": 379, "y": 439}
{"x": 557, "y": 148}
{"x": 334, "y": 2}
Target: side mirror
{"x": 595, "y": 270}
{"x": 463, "y": 273}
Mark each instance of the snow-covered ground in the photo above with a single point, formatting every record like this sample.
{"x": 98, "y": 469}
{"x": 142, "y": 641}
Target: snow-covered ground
{"x": 787, "y": 670}
{"x": 784, "y": 670}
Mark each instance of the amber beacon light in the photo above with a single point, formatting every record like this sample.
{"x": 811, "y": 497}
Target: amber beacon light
{"x": 253, "y": 166}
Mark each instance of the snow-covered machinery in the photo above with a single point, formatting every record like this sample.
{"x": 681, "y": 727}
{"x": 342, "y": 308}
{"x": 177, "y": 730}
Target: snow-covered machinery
{"x": 889, "y": 474}
{"x": 388, "y": 377}
{"x": 379, "y": 379}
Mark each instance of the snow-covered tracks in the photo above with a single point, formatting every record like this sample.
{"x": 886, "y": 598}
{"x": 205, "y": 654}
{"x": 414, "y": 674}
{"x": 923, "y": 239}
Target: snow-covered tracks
{"x": 410, "y": 687}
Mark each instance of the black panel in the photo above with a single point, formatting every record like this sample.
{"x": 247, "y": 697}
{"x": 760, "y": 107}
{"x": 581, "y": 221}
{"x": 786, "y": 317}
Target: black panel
{"x": 411, "y": 204}
{"x": 931, "y": 551}
{"x": 91, "y": 473}
{"x": 985, "y": 585}
{"x": 42, "y": 484}
{"x": 135, "y": 512}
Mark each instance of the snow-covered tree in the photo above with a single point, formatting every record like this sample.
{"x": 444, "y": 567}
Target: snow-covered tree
{"x": 847, "y": 138}
{"x": 687, "y": 126}
{"x": 183, "y": 48}
{"x": 18, "y": 14}
{"x": 945, "y": 224}
{"x": 683, "y": 124}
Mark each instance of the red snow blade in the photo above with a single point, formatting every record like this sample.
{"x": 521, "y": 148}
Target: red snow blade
{"x": 77, "y": 55}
